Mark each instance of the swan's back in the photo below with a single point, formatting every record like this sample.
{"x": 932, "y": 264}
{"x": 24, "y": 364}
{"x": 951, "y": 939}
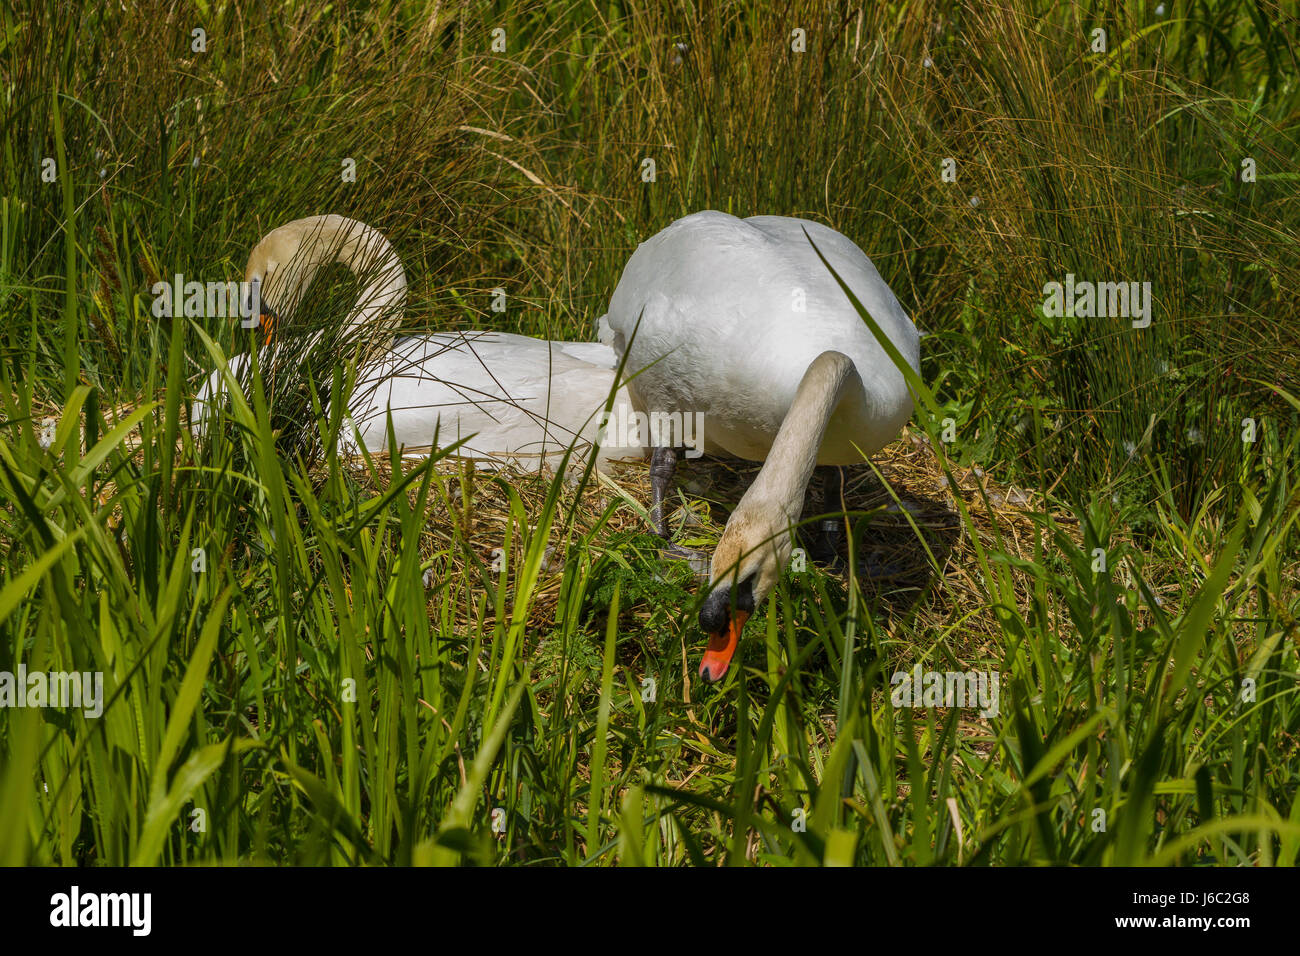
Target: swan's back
{"x": 516, "y": 400}
{"x": 734, "y": 313}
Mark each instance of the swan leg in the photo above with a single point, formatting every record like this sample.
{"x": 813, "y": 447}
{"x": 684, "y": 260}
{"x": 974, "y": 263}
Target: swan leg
{"x": 663, "y": 462}
{"x": 825, "y": 540}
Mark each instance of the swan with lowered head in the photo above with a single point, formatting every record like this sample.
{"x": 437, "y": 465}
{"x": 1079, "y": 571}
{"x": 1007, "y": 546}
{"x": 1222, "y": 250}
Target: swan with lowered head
{"x": 741, "y": 322}
{"x": 516, "y": 400}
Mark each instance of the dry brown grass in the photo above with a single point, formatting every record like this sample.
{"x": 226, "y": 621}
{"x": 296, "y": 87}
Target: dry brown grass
{"x": 470, "y": 517}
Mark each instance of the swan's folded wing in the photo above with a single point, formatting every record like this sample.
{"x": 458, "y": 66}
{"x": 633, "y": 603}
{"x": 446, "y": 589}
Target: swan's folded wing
{"x": 593, "y": 353}
{"x": 514, "y": 399}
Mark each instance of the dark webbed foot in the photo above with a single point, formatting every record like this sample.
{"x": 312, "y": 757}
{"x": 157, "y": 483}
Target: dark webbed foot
{"x": 663, "y": 462}
{"x": 698, "y": 560}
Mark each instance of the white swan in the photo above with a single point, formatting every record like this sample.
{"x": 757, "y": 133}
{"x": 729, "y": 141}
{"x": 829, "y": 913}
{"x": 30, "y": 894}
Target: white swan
{"x": 518, "y": 401}
{"x": 739, "y": 320}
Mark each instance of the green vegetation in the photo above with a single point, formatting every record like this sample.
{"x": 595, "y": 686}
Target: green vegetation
{"x": 281, "y": 684}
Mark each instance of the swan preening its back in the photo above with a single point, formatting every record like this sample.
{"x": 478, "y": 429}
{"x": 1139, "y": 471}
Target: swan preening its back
{"x": 736, "y": 324}
{"x": 516, "y": 401}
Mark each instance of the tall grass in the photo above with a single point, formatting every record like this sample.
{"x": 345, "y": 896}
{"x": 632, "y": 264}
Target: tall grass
{"x": 309, "y": 661}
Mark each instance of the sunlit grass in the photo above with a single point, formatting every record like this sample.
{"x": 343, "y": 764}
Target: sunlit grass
{"x": 314, "y": 661}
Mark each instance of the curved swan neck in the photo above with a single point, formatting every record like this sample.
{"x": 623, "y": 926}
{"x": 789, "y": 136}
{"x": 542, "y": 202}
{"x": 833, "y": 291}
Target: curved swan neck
{"x": 373, "y": 260}
{"x": 784, "y": 478}
{"x": 318, "y": 241}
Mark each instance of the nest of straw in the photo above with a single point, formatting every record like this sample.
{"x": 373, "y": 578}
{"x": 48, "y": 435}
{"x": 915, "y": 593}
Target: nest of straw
{"x": 901, "y": 498}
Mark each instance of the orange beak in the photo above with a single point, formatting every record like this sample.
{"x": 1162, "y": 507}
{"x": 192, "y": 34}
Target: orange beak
{"x": 267, "y": 323}
{"x": 722, "y": 645}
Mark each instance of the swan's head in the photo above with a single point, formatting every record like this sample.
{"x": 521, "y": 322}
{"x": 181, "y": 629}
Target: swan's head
{"x": 284, "y": 263}
{"x": 268, "y": 269}
{"x": 747, "y": 563}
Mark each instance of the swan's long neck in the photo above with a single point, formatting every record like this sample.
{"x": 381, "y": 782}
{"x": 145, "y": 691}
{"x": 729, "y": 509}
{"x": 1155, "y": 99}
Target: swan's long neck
{"x": 784, "y": 478}
{"x": 366, "y": 253}
{"x": 373, "y": 260}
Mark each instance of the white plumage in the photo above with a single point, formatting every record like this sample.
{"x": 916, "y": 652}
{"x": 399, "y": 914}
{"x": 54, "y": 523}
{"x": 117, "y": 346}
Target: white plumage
{"x": 517, "y": 400}
{"x": 722, "y": 333}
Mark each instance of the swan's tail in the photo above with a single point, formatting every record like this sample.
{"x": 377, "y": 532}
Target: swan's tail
{"x": 604, "y": 334}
